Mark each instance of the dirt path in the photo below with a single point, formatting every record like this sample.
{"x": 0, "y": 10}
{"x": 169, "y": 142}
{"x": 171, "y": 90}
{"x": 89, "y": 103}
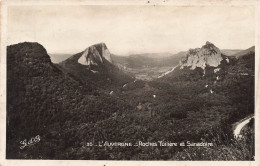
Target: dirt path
{"x": 240, "y": 126}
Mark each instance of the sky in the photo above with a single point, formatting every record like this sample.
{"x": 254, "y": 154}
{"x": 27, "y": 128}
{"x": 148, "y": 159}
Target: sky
{"x": 131, "y": 29}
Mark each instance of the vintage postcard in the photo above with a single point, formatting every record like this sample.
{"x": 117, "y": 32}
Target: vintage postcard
{"x": 129, "y": 83}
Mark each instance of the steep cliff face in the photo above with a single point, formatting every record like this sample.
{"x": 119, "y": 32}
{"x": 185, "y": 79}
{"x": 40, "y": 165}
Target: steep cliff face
{"x": 208, "y": 54}
{"x": 95, "y": 55}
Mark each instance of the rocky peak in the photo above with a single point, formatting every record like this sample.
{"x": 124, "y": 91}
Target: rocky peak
{"x": 95, "y": 55}
{"x": 208, "y": 54}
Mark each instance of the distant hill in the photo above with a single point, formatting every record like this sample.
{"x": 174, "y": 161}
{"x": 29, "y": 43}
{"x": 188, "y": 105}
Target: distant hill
{"x": 229, "y": 52}
{"x": 57, "y": 58}
{"x": 243, "y": 52}
{"x": 148, "y": 60}
{"x": 152, "y": 55}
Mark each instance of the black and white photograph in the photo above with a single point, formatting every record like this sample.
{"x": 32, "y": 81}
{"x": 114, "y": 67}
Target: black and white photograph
{"x": 140, "y": 82}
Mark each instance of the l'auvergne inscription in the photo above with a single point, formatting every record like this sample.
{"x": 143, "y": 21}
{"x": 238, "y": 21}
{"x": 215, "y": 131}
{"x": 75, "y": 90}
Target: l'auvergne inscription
{"x": 147, "y": 144}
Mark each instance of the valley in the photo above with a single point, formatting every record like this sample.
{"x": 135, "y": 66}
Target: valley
{"x": 95, "y": 96}
{"x": 148, "y": 73}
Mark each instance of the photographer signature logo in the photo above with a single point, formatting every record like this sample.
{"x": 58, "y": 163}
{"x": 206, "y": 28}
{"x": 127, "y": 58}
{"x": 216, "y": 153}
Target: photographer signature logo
{"x": 32, "y": 141}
